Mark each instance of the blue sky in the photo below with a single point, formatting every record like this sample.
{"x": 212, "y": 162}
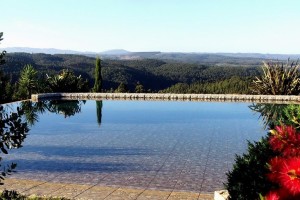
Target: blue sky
{"x": 263, "y": 26}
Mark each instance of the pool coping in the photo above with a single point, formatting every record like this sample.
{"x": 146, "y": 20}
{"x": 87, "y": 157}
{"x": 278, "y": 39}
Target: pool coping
{"x": 282, "y": 99}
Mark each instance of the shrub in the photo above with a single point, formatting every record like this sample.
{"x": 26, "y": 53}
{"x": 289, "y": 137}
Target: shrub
{"x": 247, "y": 178}
{"x": 278, "y": 79}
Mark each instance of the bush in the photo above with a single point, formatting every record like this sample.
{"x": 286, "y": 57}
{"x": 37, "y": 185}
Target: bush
{"x": 278, "y": 79}
{"x": 14, "y": 195}
{"x": 247, "y": 179}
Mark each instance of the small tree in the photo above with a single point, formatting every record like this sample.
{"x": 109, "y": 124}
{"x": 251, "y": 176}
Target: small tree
{"x": 122, "y": 88}
{"x": 98, "y": 76}
{"x": 2, "y": 54}
{"x": 4, "y": 81}
{"x": 67, "y": 81}
{"x": 28, "y": 82}
{"x": 139, "y": 88}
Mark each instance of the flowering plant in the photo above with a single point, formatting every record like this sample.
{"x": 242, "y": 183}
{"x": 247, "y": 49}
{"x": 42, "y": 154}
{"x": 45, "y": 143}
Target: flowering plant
{"x": 270, "y": 168}
{"x": 284, "y": 168}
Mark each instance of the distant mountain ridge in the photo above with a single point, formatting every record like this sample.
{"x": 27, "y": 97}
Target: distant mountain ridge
{"x": 53, "y": 51}
{"x": 123, "y": 54}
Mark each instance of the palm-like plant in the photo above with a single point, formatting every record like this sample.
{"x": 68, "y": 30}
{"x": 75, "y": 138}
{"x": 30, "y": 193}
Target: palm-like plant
{"x": 278, "y": 79}
{"x": 28, "y": 81}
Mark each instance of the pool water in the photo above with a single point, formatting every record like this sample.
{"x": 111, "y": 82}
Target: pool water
{"x": 142, "y": 144}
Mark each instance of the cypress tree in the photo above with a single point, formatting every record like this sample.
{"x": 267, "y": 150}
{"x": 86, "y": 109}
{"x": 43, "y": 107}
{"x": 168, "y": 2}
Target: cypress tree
{"x": 2, "y": 54}
{"x": 98, "y": 76}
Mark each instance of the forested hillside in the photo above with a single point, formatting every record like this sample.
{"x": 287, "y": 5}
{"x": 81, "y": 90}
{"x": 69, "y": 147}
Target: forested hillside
{"x": 153, "y": 74}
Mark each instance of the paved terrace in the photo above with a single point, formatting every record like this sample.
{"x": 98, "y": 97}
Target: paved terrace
{"x": 84, "y": 192}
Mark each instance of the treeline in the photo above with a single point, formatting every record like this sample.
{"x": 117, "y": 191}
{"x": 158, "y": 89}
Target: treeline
{"x": 154, "y": 75}
{"x": 233, "y": 85}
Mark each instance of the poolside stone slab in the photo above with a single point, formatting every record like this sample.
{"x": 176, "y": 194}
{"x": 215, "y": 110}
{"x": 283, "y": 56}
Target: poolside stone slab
{"x": 97, "y": 192}
{"x": 21, "y": 185}
{"x": 44, "y": 190}
{"x": 154, "y": 195}
{"x": 124, "y": 194}
{"x": 183, "y": 195}
{"x": 70, "y": 191}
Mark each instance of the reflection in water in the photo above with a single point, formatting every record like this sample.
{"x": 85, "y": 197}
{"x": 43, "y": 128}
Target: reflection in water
{"x": 99, "y": 112}
{"x": 277, "y": 114}
{"x": 32, "y": 110}
{"x": 67, "y": 108}
{"x": 14, "y": 124}
{"x": 13, "y": 131}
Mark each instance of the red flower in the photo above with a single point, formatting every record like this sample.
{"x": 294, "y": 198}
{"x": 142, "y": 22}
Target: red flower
{"x": 286, "y": 172}
{"x": 286, "y": 140}
{"x": 281, "y": 194}
{"x": 272, "y": 195}
{"x": 275, "y": 166}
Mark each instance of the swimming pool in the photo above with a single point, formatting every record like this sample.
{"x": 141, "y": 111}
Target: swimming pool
{"x": 142, "y": 144}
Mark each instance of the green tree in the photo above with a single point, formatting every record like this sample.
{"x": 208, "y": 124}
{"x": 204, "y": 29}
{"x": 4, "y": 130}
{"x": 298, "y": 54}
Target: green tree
{"x": 139, "y": 88}
{"x": 98, "y": 76}
{"x": 28, "y": 82}
{"x": 122, "y": 88}
{"x": 67, "y": 81}
{"x": 13, "y": 131}
{"x": 2, "y": 54}
{"x": 5, "y": 85}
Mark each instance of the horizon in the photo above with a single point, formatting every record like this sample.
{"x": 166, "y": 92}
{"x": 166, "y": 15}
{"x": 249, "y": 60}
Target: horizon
{"x": 192, "y": 26}
{"x": 108, "y": 50}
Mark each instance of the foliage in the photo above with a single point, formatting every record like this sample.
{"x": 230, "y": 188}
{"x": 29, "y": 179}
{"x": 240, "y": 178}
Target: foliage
{"x": 122, "y": 88}
{"x": 98, "y": 76}
{"x": 247, "y": 178}
{"x": 6, "y": 87}
{"x": 31, "y": 110}
{"x": 284, "y": 169}
{"x": 269, "y": 168}
{"x": 67, "y": 108}
{"x": 291, "y": 115}
{"x": 11, "y": 194}
{"x": 14, "y": 195}
{"x": 233, "y": 85}
{"x": 278, "y": 79}
{"x": 277, "y": 114}
{"x": 28, "y": 82}
{"x": 13, "y": 131}
{"x": 271, "y": 114}
{"x": 67, "y": 81}
{"x": 2, "y": 54}
{"x": 139, "y": 88}
{"x": 154, "y": 74}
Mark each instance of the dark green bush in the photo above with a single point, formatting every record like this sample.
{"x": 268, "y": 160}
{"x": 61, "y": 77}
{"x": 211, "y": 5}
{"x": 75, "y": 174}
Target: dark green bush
{"x": 14, "y": 195}
{"x": 248, "y": 177}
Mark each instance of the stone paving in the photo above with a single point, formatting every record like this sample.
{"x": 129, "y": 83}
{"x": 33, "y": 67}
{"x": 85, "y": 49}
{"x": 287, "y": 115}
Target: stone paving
{"x": 85, "y": 192}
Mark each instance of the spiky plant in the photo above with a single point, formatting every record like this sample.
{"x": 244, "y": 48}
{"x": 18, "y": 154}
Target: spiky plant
{"x": 278, "y": 79}
{"x": 28, "y": 81}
